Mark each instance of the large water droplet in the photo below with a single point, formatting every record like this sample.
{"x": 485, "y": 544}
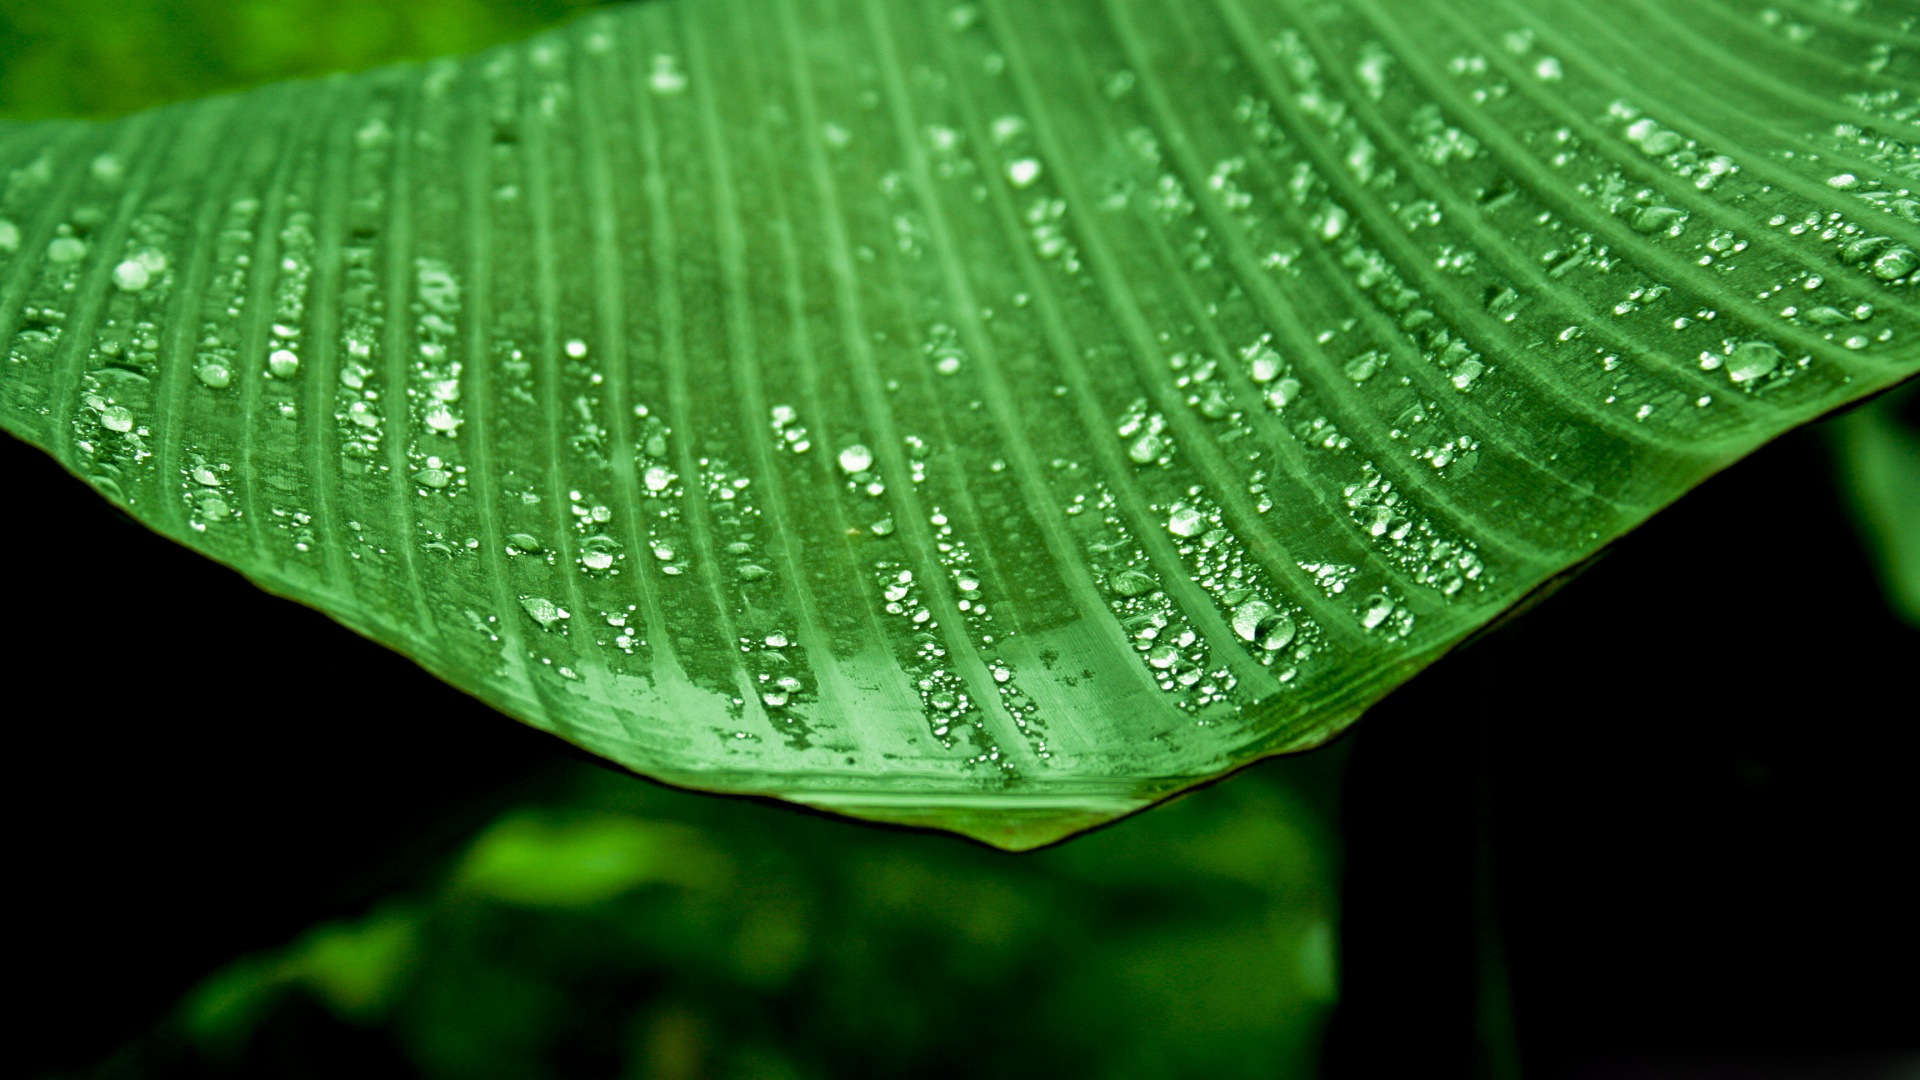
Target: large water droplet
{"x": 856, "y": 458}
{"x": 1186, "y": 521}
{"x": 543, "y": 611}
{"x": 1752, "y": 359}
{"x": 132, "y": 275}
{"x": 283, "y": 364}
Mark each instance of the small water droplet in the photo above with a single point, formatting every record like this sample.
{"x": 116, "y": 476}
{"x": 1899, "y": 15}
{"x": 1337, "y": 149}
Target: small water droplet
{"x": 1023, "y": 172}
{"x": 214, "y": 374}
{"x": 283, "y": 364}
{"x": 667, "y": 77}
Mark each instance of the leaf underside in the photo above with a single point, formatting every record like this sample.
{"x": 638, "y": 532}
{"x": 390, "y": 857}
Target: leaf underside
{"x": 992, "y": 416}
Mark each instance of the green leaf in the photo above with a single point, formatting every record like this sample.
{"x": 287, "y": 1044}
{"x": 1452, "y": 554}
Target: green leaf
{"x": 1880, "y": 463}
{"x": 987, "y": 416}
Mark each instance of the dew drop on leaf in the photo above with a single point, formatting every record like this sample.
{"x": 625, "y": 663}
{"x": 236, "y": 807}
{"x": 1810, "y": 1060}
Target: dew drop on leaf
{"x": 856, "y": 458}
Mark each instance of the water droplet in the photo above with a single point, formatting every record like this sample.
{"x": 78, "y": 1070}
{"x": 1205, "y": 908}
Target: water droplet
{"x": 667, "y": 77}
{"x": 132, "y": 275}
{"x": 776, "y": 640}
{"x": 1132, "y": 583}
{"x": 1265, "y": 366}
{"x": 1186, "y": 521}
{"x": 9, "y": 236}
{"x": 1751, "y": 360}
{"x": 576, "y": 349}
{"x": 1163, "y": 656}
{"x": 283, "y": 364}
{"x": 117, "y": 418}
{"x": 597, "y": 559}
{"x": 856, "y": 458}
{"x": 441, "y": 419}
{"x": 657, "y": 478}
{"x": 66, "y": 249}
{"x": 433, "y": 478}
{"x": 1147, "y": 449}
{"x": 543, "y": 611}
{"x": 214, "y": 374}
{"x": 1247, "y": 618}
{"x": 1024, "y": 172}
{"x": 1654, "y": 219}
{"x": 1896, "y": 264}
{"x": 1378, "y": 608}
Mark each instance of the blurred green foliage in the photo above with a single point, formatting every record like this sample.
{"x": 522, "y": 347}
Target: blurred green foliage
{"x": 619, "y": 929}
{"x": 94, "y": 58}
{"x": 1879, "y": 450}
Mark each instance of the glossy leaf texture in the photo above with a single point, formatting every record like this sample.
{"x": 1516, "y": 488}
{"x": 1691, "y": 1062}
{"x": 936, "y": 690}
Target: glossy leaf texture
{"x": 990, "y": 416}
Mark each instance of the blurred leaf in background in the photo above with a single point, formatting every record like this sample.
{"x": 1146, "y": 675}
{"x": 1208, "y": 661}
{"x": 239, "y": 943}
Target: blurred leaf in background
{"x": 89, "y": 58}
{"x": 620, "y": 929}
{"x": 1879, "y": 453}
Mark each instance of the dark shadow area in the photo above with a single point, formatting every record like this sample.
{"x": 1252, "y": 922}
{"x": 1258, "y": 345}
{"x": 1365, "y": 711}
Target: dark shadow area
{"x": 203, "y": 769}
{"x": 1698, "y": 758}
